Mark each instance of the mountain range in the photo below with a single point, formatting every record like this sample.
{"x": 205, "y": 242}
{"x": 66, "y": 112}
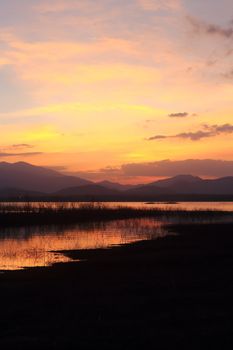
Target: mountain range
{"x": 29, "y": 177}
{"x": 19, "y": 180}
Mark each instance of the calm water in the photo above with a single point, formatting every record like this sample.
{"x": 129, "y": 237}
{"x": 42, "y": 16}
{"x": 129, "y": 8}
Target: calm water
{"x": 40, "y": 246}
{"x": 31, "y": 247}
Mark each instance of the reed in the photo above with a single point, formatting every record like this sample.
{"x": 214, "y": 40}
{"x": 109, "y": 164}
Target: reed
{"x": 69, "y": 213}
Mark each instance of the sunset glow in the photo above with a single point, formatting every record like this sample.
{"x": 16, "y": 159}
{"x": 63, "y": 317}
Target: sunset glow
{"x": 93, "y": 88}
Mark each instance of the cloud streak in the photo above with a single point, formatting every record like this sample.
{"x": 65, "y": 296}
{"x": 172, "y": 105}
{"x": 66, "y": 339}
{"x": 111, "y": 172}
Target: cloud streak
{"x": 23, "y": 154}
{"x": 208, "y": 131}
{"x": 164, "y": 168}
{"x": 228, "y": 75}
{"x": 157, "y": 5}
{"x": 178, "y": 115}
{"x": 21, "y": 146}
{"x": 201, "y": 27}
{"x": 199, "y": 167}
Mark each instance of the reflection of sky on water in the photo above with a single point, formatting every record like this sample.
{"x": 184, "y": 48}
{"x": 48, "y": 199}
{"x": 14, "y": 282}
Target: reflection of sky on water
{"x": 32, "y": 246}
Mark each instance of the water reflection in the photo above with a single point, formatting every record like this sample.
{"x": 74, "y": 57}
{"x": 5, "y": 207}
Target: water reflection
{"x": 37, "y": 246}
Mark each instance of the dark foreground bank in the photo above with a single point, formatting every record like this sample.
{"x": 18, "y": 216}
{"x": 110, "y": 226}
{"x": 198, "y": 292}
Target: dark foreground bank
{"x": 172, "y": 293}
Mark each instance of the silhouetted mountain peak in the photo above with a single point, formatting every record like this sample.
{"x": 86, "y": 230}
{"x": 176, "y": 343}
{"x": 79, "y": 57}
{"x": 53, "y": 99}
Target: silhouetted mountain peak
{"x": 24, "y": 164}
{"x": 186, "y": 177}
{"x": 22, "y": 178}
{"x": 115, "y": 185}
{"x": 177, "y": 179}
{"x": 35, "y": 178}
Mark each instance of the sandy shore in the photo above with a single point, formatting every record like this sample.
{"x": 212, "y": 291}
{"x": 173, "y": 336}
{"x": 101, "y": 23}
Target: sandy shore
{"x": 175, "y": 292}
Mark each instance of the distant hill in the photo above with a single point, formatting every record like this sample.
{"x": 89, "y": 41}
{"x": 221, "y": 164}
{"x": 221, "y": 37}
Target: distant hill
{"x": 16, "y": 193}
{"x": 177, "y": 180}
{"x": 23, "y": 180}
{"x": 115, "y": 186}
{"x": 176, "y": 188}
{"x": 34, "y": 178}
{"x": 186, "y": 184}
{"x": 86, "y": 190}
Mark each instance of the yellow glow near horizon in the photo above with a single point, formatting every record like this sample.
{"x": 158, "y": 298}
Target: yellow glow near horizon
{"x": 88, "y": 90}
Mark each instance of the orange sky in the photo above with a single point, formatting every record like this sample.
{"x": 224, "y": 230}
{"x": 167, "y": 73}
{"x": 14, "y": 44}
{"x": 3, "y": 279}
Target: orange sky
{"x": 89, "y": 85}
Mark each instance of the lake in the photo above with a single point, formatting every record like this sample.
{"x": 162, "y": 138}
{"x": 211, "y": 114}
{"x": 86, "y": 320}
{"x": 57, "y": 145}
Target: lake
{"x": 40, "y": 246}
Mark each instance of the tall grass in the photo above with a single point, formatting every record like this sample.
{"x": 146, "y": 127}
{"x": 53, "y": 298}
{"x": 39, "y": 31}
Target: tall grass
{"x": 68, "y": 213}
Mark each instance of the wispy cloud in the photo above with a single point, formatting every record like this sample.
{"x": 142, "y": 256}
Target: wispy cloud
{"x": 163, "y": 168}
{"x": 23, "y": 154}
{"x": 74, "y": 107}
{"x": 182, "y": 115}
{"x": 229, "y": 74}
{"x": 156, "y": 5}
{"x": 21, "y": 146}
{"x": 199, "y": 167}
{"x": 68, "y": 5}
{"x": 14, "y": 147}
{"x": 208, "y": 131}
{"x": 201, "y": 27}
{"x": 157, "y": 137}
{"x": 60, "y": 6}
{"x": 178, "y": 115}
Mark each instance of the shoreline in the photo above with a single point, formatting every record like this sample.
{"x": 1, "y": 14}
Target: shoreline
{"x": 174, "y": 291}
{"x": 28, "y": 215}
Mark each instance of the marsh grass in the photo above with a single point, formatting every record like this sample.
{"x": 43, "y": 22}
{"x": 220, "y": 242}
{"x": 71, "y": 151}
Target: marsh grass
{"x": 12, "y": 214}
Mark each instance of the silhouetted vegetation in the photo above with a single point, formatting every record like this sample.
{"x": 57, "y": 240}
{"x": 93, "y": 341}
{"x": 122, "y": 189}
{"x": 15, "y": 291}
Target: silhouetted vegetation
{"x": 68, "y": 213}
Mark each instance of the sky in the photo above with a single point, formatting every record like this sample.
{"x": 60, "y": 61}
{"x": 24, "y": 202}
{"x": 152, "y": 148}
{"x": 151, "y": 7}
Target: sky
{"x": 121, "y": 90}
